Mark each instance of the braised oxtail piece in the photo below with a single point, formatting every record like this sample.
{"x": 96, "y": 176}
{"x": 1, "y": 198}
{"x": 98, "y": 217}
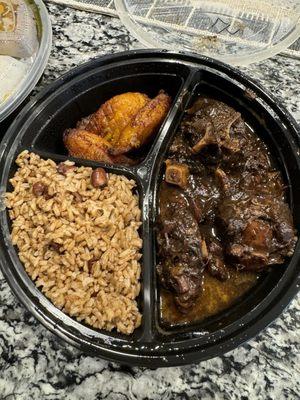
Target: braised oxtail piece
{"x": 179, "y": 240}
{"x": 222, "y": 204}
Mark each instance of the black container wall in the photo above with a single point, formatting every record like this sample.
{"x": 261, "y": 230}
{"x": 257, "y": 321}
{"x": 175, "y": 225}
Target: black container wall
{"x": 39, "y": 128}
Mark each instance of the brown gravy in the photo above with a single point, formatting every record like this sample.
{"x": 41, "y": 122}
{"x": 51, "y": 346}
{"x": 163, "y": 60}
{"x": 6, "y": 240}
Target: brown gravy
{"x": 216, "y": 296}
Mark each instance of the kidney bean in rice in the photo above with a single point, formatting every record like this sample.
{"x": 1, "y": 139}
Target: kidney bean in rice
{"x": 79, "y": 244}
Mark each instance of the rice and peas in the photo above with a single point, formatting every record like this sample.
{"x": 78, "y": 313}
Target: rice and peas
{"x": 80, "y": 244}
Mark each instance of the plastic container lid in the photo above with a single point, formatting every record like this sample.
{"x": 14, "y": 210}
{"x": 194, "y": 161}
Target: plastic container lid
{"x": 36, "y": 63}
{"x": 19, "y": 36}
{"x": 234, "y": 31}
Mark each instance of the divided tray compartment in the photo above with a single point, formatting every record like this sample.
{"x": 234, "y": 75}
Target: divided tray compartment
{"x": 256, "y": 115}
{"x": 39, "y": 128}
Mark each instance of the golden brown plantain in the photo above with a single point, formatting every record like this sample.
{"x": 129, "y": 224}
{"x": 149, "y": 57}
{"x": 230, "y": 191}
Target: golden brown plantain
{"x": 83, "y": 144}
{"x": 145, "y": 124}
{"x": 87, "y": 145}
{"x": 114, "y": 115}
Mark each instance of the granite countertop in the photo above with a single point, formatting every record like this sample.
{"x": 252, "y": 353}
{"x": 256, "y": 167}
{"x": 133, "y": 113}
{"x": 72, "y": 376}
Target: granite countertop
{"x": 35, "y": 365}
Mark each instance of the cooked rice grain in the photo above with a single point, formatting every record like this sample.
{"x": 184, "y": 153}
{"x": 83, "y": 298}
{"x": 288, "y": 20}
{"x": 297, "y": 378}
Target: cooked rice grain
{"x": 79, "y": 244}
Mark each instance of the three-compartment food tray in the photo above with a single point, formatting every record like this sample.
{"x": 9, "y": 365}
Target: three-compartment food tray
{"x": 39, "y": 128}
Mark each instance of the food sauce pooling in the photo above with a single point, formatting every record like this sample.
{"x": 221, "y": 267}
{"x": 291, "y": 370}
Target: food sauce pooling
{"x": 215, "y": 297}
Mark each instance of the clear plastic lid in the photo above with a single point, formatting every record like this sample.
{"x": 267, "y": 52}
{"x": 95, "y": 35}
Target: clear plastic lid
{"x": 18, "y": 38}
{"x": 12, "y": 71}
{"x": 18, "y": 31}
{"x": 234, "y": 31}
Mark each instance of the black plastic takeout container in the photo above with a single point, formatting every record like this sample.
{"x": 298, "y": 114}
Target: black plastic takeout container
{"x": 39, "y": 128}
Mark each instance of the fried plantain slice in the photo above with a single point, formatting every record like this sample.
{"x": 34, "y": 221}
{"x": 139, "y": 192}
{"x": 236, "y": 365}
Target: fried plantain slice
{"x": 114, "y": 115}
{"x": 145, "y": 124}
{"x": 89, "y": 146}
{"x": 83, "y": 144}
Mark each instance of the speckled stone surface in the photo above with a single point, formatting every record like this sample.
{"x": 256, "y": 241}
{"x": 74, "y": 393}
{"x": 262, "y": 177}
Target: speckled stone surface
{"x": 36, "y": 365}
